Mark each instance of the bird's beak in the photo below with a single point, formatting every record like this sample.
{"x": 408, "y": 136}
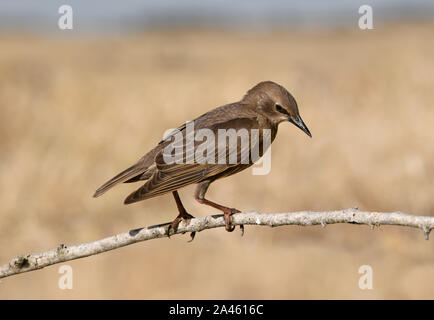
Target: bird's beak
{"x": 299, "y": 123}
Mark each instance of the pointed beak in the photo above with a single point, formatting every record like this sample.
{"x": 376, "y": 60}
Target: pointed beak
{"x": 299, "y": 123}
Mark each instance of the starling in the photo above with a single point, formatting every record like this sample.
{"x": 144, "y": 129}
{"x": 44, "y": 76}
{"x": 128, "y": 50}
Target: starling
{"x": 260, "y": 111}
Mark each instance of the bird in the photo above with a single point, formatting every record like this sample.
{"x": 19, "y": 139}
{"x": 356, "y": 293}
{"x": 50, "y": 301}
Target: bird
{"x": 263, "y": 108}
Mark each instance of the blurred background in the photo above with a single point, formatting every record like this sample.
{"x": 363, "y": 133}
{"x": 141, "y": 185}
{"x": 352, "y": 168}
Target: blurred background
{"x": 78, "y": 106}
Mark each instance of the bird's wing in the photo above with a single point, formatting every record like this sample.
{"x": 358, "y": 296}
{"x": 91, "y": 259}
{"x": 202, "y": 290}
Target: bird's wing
{"x": 172, "y": 176}
{"x": 124, "y": 176}
{"x": 147, "y": 161}
{"x": 142, "y": 170}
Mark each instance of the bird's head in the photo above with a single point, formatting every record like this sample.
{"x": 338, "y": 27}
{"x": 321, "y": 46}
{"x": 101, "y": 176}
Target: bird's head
{"x": 276, "y": 103}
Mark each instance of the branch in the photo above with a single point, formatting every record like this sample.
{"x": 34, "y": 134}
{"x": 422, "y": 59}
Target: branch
{"x": 30, "y": 262}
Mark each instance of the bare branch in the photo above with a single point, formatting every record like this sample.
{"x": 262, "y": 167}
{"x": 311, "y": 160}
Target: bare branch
{"x": 30, "y": 262}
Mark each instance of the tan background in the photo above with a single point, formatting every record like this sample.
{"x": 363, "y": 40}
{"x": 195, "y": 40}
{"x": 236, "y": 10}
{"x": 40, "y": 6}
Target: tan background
{"x": 75, "y": 111}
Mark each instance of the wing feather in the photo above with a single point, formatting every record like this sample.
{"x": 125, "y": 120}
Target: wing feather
{"x": 172, "y": 176}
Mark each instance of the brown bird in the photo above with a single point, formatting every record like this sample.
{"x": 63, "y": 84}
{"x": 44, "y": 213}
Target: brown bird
{"x": 263, "y": 107}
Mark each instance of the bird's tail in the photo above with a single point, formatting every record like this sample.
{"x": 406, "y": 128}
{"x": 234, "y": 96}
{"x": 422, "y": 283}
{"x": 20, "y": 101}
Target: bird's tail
{"x": 124, "y": 176}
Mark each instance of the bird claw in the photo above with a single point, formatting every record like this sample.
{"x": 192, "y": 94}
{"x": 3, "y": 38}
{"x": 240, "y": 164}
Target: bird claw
{"x": 229, "y": 227}
{"x": 174, "y": 225}
{"x": 170, "y": 227}
{"x": 228, "y": 219}
{"x": 192, "y": 236}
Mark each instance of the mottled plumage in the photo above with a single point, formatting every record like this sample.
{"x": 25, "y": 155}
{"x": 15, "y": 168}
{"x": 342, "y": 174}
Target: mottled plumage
{"x": 263, "y": 107}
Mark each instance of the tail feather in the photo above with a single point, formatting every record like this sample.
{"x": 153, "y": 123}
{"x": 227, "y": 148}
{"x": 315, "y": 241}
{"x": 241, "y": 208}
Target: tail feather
{"x": 124, "y": 176}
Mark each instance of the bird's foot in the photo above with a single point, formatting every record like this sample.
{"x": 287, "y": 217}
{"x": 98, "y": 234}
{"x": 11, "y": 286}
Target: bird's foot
{"x": 174, "y": 225}
{"x": 228, "y": 220}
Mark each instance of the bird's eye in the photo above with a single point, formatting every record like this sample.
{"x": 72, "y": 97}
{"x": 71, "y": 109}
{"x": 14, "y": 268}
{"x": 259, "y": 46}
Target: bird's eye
{"x": 281, "y": 109}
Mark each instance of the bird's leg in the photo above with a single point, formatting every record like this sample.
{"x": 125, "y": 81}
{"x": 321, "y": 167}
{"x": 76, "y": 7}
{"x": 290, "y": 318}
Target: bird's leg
{"x": 183, "y": 214}
{"x": 228, "y": 212}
